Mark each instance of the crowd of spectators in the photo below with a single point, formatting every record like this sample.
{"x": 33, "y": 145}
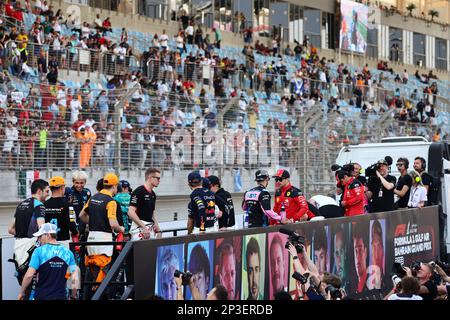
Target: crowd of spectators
{"x": 76, "y": 126}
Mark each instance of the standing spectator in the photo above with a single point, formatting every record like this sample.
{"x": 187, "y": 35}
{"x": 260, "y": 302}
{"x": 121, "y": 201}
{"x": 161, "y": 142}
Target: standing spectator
{"x": 106, "y": 26}
{"x": 164, "y": 39}
{"x": 42, "y": 146}
{"x": 9, "y": 146}
{"x": 87, "y": 138}
{"x": 218, "y": 37}
{"x": 75, "y": 108}
{"x": 190, "y": 33}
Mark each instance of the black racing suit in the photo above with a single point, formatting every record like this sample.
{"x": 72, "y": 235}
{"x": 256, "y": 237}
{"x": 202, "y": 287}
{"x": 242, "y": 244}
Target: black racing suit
{"x": 202, "y": 208}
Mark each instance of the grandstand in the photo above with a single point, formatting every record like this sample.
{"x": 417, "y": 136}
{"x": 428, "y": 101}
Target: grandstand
{"x": 200, "y": 106}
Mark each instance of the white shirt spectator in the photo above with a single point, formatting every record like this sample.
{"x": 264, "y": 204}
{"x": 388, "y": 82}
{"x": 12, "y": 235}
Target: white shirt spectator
{"x": 156, "y": 43}
{"x": 242, "y": 105}
{"x": 61, "y": 97}
{"x": 57, "y": 27}
{"x": 396, "y": 296}
{"x": 44, "y": 7}
{"x": 162, "y": 89}
{"x": 180, "y": 42}
{"x": 85, "y": 32}
{"x": 75, "y": 107}
{"x": 163, "y": 39}
{"x": 11, "y": 135}
{"x": 190, "y": 30}
{"x": 26, "y": 69}
{"x": 98, "y": 22}
{"x": 417, "y": 195}
{"x": 38, "y": 4}
{"x": 11, "y": 118}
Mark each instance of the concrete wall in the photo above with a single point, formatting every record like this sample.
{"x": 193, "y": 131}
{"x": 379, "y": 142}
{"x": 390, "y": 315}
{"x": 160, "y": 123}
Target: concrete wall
{"x": 173, "y": 183}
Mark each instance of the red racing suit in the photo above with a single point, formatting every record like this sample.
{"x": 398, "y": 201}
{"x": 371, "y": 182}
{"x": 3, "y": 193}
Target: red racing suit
{"x": 353, "y": 197}
{"x": 294, "y": 202}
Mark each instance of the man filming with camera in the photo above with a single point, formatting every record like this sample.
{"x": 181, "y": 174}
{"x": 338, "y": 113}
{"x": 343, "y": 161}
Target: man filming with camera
{"x": 423, "y": 272}
{"x": 219, "y": 292}
{"x": 381, "y": 188}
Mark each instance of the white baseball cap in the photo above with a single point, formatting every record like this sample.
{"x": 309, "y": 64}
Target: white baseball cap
{"x": 45, "y": 229}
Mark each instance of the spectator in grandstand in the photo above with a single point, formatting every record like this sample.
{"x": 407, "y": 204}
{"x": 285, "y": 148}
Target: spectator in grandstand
{"x": 218, "y": 37}
{"x": 142, "y": 205}
{"x": 10, "y": 144}
{"x": 51, "y": 262}
{"x": 86, "y": 136}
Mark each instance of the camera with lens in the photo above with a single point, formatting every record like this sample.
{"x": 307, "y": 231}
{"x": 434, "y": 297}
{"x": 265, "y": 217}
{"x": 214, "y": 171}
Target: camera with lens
{"x": 185, "y": 276}
{"x": 396, "y": 279}
{"x": 335, "y": 293}
{"x": 297, "y": 240}
{"x": 346, "y": 167}
{"x": 302, "y": 278}
{"x": 371, "y": 171}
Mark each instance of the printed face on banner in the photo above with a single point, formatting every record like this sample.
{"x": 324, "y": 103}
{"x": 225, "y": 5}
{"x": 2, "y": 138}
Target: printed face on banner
{"x": 376, "y": 269}
{"x": 360, "y": 255}
{"x": 227, "y": 267}
{"x": 278, "y": 263}
{"x": 200, "y": 262}
{"x": 169, "y": 259}
{"x": 253, "y": 258}
{"x": 321, "y": 246}
{"x": 340, "y": 250}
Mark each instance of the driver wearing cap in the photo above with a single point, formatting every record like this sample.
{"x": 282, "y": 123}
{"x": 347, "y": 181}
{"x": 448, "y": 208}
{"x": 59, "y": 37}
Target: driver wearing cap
{"x": 291, "y": 198}
{"x": 256, "y": 202}
{"x": 100, "y": 212}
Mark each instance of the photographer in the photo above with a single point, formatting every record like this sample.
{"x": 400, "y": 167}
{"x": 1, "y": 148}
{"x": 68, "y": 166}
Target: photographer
{"x": 424, "y": 273}
{"x": 381, "y": 189}
{"x": 402, "y": 189}
{"x": 353, "y": 197}
{"x": 407, "y": 289}
{"x": 443, "y": 289}
{"x": 219, "y": 292}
